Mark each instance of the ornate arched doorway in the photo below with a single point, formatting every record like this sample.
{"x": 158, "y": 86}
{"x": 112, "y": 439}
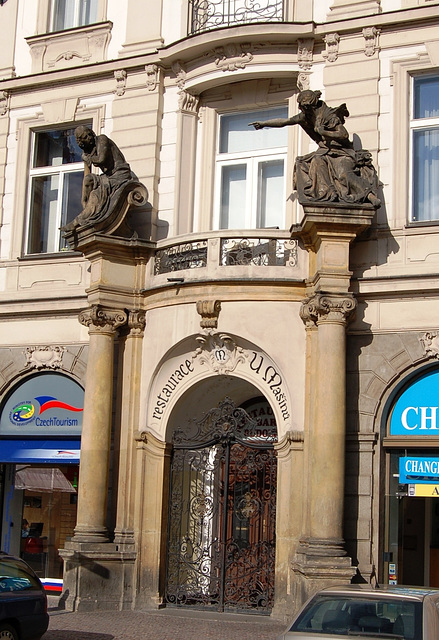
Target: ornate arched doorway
{"x": 221, "y": 534}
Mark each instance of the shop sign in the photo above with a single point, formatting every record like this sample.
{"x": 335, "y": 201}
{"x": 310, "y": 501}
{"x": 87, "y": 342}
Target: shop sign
{"x": 47, "y": 404}
{"x": 416, "y": 412}
{"x": 418, "y": 470}
{"x": 424, "y": 490}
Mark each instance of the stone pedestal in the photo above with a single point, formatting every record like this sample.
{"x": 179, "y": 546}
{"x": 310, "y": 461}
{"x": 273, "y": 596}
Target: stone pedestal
{"x": 97, "y": 576}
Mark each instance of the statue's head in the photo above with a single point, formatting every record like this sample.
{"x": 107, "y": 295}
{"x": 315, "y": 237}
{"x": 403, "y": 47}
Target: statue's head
{"x": 85, "y": 137}
{"x": 308, "y": 99}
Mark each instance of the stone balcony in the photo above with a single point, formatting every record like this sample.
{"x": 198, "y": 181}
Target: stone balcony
{"x": 259, "y": 255}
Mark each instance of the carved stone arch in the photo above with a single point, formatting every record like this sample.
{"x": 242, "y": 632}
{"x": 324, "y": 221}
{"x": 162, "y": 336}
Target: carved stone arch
{"x": 206, "y": 360}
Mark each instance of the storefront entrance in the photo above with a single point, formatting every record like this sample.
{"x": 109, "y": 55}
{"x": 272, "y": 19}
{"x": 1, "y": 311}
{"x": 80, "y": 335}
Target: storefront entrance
{"x": 412, "y": 529}
{"x": 221, "y": 535}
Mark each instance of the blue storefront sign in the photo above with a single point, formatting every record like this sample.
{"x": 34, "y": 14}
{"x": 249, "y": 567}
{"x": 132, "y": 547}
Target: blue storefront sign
{"x": 416, "y": 412}
{"x": 41, "y": 421}
{"x": 414, "y": 470}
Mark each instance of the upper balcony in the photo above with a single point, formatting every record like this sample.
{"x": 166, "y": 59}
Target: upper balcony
{"x": 205, "y": 15}
{"x": 220, "y": 256}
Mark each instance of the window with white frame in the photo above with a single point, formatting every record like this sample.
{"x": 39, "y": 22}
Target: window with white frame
{"x": 250, "y": 171}
{"x": 55, "y": 188}
{"x": 66, "y": 14}
{"x": 424, "y": 127}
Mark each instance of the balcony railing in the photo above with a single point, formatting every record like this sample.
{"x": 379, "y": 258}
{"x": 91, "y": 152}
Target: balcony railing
{"x": 226, "y": 255}
{"x": 211, "y": 14}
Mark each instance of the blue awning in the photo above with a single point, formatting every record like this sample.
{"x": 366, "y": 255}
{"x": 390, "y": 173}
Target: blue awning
{"x": 40, "y": 451}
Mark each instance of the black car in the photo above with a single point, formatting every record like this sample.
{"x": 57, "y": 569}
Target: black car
{"x": 23, "y": 601}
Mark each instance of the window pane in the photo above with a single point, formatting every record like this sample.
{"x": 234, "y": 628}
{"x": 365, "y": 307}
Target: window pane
{"x": 236, "y": 135}
{"x": 233, "y": 197}
{"x": 271, "y": 194}
{"x": 73, "y": 13}
{"x": 88, "y": 12}
{"x": 53, "y": 148}
{"x": 71, "y": 204}
{"x": 43, "y": 228}
{"x": 426, "y": 175}
{"x": 426, "y": 97}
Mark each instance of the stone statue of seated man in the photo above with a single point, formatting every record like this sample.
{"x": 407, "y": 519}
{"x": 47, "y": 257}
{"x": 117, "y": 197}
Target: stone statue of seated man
{"x": 98, "y": 191}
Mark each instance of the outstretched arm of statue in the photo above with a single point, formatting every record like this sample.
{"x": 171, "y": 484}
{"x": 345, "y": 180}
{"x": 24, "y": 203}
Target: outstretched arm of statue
{"x": 276, "y": 122}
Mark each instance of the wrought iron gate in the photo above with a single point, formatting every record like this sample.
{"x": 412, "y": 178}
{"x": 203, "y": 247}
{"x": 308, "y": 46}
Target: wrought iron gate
{"x": 221, "y": 536}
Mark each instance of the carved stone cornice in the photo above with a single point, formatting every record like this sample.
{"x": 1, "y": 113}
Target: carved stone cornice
{"x": 180, "y": 73}
{"x": 102, "y": 321}
{"x": 209, "y": 311}
{"x": 328, "y": 307}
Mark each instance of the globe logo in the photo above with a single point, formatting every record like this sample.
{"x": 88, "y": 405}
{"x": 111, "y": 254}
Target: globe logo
{"x": 22, "y": 412}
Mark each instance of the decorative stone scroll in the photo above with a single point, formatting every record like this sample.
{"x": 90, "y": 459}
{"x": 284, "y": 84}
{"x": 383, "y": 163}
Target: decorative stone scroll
{"x": 371, "y": 38}
{"x": 101, "y": 320}
{"x": 332, "y": 41}
{"x": 209, "y": 311}
{"x": 121, "y": 81}
{"x": 232, "y": 56}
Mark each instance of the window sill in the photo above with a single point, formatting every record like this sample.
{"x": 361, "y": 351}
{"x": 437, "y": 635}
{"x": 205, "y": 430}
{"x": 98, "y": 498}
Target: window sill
{"x": 32, "y": 257}
{"x": 70, "y": 48}
{"x": 422, "y": 224}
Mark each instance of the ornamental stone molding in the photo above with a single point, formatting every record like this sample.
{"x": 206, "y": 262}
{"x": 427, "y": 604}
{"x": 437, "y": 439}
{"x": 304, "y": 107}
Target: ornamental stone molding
{"x": 44, "y": 357}
{"x": 332, "y": 41}
{"x": 152, "y": 76}
{"x": 209, "y": 311}
{"x": 180, "y": 73}
{"x": 188, "y": 102}
{"x": 324, "y": 307}
{"x": 232, "y": 57}
{"x": 219, "y": 352}
{"x": 101, "y": 320}
{"x": 4, "y": 103}
{"x": 303, "y": 81}
{"x": 430, "y": 343}
{"x": 305, "y": 48}
{"x": 371, "y": 39}
{"x": 121, "y": 81}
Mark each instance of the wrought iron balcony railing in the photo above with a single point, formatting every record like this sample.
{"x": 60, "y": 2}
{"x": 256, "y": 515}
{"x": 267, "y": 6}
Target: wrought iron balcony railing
{"x": 227, "y": 251}
{"x": 211, "y": 14}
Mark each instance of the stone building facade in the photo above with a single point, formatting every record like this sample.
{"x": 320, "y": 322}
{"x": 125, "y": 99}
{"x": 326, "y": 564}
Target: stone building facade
{"x": 250, "y": 377}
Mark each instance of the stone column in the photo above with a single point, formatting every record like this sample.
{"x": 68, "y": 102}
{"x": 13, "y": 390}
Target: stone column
{"x": 129, "y": 414}
{"x": 329, "y": 425}
{"x": 96, "y": 428}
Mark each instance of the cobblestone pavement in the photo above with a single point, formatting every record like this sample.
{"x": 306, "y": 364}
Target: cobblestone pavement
{"x": 166, "y": 624}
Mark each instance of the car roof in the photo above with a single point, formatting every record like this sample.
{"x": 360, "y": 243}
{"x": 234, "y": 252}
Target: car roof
{"x": 387, "y": 590}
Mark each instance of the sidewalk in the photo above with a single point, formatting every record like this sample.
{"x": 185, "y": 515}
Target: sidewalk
{"x": 163, "y": 624}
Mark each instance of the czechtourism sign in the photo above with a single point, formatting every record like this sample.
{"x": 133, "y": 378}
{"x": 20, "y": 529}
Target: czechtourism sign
{"x": 47, "y": 404}
{"x": 416, "y": 412}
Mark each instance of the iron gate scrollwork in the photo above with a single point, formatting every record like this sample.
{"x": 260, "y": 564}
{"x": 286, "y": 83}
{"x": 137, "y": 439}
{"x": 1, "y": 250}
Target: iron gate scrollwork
{"x": 221, "y": 534}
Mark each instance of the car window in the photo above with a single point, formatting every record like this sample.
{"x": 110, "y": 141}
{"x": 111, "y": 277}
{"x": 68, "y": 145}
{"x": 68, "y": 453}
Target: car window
{"x": 356, "y": 616}
{"x": 15, "y": 576}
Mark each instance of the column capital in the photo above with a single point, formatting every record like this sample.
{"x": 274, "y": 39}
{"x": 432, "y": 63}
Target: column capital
{"x": 136, "y": 322}
{"x": 327, "y": 307}
{"x": 101, "y": 320}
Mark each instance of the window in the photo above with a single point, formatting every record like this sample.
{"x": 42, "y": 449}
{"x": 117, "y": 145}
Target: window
{"x": 56, "y": 176}
{"x": 425, "y": 148}
{"x": 251, "y": 172}
{"x": 66, "y": 14}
